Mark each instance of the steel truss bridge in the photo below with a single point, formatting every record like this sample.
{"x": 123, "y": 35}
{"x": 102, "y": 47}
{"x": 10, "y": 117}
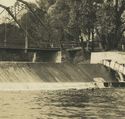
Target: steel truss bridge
{"x": 12, "y": 15}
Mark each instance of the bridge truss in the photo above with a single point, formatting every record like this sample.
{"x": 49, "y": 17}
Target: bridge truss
{"x": 12, "y": 15}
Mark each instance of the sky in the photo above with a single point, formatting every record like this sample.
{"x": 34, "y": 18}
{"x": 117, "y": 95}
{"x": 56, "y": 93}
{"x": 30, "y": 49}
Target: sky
{"x": 11, "y": 2}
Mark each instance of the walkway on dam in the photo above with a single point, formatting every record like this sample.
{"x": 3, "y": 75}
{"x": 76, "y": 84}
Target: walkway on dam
{"x": 114, "y": 65}
{"x": 114, "y": 60}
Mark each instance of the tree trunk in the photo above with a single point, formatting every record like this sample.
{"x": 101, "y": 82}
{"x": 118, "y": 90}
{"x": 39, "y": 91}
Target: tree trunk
{"x": 89, "y": 35}
{"x": 93, "y": 40}
{"x": 117, "y": 24}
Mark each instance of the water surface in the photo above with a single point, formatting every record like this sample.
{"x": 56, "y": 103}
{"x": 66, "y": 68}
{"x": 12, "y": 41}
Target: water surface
{"x": 63, "y": 104}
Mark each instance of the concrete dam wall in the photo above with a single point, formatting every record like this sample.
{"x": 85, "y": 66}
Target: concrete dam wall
{"x": 51, "y": 72}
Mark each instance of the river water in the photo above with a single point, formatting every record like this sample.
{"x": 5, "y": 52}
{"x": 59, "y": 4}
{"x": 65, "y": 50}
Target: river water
{"x": 63, "y": 104}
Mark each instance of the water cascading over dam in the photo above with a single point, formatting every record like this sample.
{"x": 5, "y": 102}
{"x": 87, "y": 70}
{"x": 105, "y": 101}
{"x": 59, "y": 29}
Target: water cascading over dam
{"x": 50, "y": 75}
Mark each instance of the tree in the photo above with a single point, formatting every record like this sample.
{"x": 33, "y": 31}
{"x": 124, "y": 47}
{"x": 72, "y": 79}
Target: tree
{"x": 119, "y": 21}
{"x": 31, "y": 22}
{"x": 13, "y": 36}
{"x": 110, "y": 23}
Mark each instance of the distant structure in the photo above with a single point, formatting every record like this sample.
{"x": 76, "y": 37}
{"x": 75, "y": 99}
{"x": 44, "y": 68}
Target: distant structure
{"x": 13, "y": 15}
{"x": 17, "y": 10}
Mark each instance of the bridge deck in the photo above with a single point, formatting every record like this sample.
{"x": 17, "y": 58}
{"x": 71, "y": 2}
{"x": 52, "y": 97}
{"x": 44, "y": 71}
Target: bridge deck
{"x": 30, "y": 49}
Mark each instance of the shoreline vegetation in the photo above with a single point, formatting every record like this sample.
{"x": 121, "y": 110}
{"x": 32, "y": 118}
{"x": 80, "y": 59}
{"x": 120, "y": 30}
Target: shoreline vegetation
{"x": 96, "y": 25}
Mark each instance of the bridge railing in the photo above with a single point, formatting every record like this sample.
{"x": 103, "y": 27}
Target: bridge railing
{"x": 21, "y": 44}
{"x": 71, "y": 45}
{"x": 114, "y": 65}
{"x": 31, "y": 44}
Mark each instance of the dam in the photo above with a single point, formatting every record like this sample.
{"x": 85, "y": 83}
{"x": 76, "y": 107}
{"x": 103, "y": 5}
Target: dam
{"x": 46, "y": 76}
{"x": 43, "y": 69}
{"x": 26, "y": 67}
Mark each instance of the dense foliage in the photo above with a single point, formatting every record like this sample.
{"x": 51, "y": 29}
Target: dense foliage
{"x": 67, "y": 20}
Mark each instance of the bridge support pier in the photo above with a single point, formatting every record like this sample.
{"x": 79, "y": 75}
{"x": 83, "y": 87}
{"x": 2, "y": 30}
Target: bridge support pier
{"x": 72, "y": 53}
{"x": 48, "y": 56}
{"x": 52, "y": 55}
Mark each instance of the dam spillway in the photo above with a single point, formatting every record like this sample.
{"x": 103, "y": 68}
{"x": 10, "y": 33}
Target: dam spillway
{"x": 51, "y": 72}
{"x": 51, "y": 76}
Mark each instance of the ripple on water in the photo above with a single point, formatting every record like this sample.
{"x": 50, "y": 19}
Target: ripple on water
{"x": 63, "y": 104}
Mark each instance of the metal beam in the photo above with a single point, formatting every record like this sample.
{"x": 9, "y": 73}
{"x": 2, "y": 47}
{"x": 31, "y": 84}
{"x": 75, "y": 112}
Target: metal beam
{"x": 11, "y": 14}
{"x": 41, "y": 22}
{"x": 29, "y": 7}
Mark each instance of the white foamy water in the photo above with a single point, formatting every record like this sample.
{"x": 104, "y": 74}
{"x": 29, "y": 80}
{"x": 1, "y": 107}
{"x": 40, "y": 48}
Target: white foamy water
{"x": 48, "y": 86}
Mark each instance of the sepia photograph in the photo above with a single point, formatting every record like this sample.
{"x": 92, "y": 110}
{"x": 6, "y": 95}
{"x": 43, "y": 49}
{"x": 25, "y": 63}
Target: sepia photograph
{"x": 62, "y": 59}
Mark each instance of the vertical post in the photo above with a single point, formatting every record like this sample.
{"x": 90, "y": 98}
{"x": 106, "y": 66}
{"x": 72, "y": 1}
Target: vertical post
{"x": 26, "y": 38}
{"x": 92, "y": 40}
{"x": 26, "y": 43}
{"x": 34, "y": 57}
{"x": 124, "y": 69}
{"x": 18, "y": 7}
{"x": 5, "y": 37}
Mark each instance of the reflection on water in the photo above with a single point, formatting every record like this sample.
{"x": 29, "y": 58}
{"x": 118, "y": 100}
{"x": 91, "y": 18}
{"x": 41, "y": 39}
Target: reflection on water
{"x": 70, "y": 104}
